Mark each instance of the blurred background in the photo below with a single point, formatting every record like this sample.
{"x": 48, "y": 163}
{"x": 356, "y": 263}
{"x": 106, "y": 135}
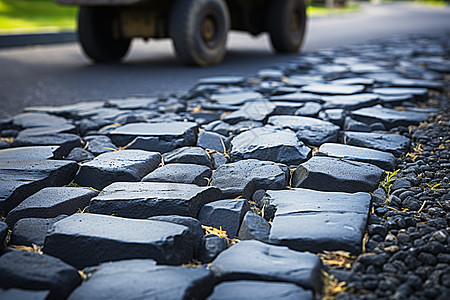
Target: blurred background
{"x": 39, "y": 73}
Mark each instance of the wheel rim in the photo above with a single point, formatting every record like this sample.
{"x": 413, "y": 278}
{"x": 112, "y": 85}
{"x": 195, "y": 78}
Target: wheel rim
{"x": 295, "y": 24}
{"x": 211, "y": 29}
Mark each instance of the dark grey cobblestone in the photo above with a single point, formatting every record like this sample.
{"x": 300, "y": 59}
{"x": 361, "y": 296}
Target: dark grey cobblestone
{"x": 330, "y": 121}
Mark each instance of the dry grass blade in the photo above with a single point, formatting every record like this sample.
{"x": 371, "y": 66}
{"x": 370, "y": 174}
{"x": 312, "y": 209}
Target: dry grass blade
{"x": 8, "y": 140}
{"x": 193, "y": 264}
{"x": 34, "y": 248}
{"x": 337, "y": 259}
{"x": 332, "y": 287}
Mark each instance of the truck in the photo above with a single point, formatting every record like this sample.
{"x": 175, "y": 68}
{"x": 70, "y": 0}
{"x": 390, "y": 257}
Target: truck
{"x": 198, "y": 28}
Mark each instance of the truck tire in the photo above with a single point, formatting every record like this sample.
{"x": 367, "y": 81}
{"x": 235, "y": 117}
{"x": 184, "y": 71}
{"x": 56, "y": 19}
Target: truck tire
{"x": 96, "y": 34}
{"x": 199, "y": 30}
{"x": 286, "y": 24}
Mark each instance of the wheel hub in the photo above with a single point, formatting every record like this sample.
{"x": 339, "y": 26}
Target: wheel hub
{"x": 208, "y": 29}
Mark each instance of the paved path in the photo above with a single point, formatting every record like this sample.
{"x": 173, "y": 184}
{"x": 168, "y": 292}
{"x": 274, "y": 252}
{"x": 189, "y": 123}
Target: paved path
{"x": 59, "y": 74}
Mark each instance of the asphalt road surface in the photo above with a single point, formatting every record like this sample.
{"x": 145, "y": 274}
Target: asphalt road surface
{"x": 60, "y": 74}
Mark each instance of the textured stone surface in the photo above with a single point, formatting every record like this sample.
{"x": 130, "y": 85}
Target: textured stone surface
{"x": 47, "y": 137}
{"x": 333, "y": 89}
{"x": 21, "y": 179}
{"x": 336, "y": 175}
{"x": 13, "y": 294}
{"x": 31, "y": 153}
{"x": 389, "y": 117}
{"x": 244, "y": 177}
{"x": 384, "y": 160}
{"x": 212, "y": 141}
{"x": 31, "y": 231}
{"x": 194, "y": 225}
{"x": 253, "y": 260}
{"x": 51, "y": 202}
{"x": 236, "y": 98}
{"x": 3, "y": 233}
{"x": 88, "y": 239}
{"x": 28, "y": 270}
{"x": 180, "y": 173}
{"x": 252, "y": 289}
{"x": 146, "y": 199}
{"x": 297, "y": 97}
{"x": 159, "y": 137}
{"x": 211, "y": 246}
{"x": 254, "y": 227}
{"x": 309, "y": 130}
{"x": 79, "y": 155}
{"x": 226, "y": 214}
{"x": 387, "y": 142}
{"x": 270, "y": 144}
{"x": 308, "y": 220}
{"x": 123, "y": 165}
{"x": 251, "y": 111}
{"x": 99, "y": 144}
{"x": 188, "y": 155}
{"x": 350, "y": 102}
{"x": 32, "y": 120}
{"x": 143, "y": 279}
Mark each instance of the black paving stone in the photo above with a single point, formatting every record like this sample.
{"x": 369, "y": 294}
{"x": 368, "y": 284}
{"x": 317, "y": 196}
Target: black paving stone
{"x": 99, "y": 144}
{"x": 386, "y": 142}
{"x": 236, "y": 98}
{"x": 336, "y": 175}
{"x": 88, "y": 239}
{"x": 308, "y": 220}
{"x": 79, "y": 155}
{"x": 251, "y": 289}
{"x": 350, "y": 102}
{"x": 257, "y": 111}
{"x": 31, "y": 231}
{"x": 3, "y": 233}
{"x": 188, "y": 155}
{"x": 51, "y": 202}
{"x": 71, "y": 111}
{"x": 254, "y": 260}
{"x": 194, "y": 225}
{"x": 270, "y": 144}
{"x": 384, "y": 160}
{"x": 13, "y": 294}
{"x": 212, "y": 141}
{"x": 32, "y": 120}
{"x": 146, "y": 199}
{"x": 123, "y": 165}
{"x": 298, "y": 97}
{"x": 31, "y": 153}
{"x": 389, "y": 117}
{"x": 159, "y": 137}
{"x": 226, "y": 214}
{"x": 333, "y": 89}
{"x": 21, "y": 179}
{"x": 180, "y": 173}
{"x": 212, "y": 245}
{"x": 244, "y": 177}
{"x": 28, "y": 270}
{"x": 309, "y": 130}
{"x": 254, "y": 227}
{"x": 142, "y": 279}
{"x": 44, "y": 136}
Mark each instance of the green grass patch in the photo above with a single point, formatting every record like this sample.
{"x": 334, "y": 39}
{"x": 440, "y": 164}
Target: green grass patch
{"x": 35, "y": 16}
{"x": 435, "y": 3}
{"x": 319, "y": 11}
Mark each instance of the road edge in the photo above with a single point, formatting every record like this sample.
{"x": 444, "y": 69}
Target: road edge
{"x": 21, "y": 40}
